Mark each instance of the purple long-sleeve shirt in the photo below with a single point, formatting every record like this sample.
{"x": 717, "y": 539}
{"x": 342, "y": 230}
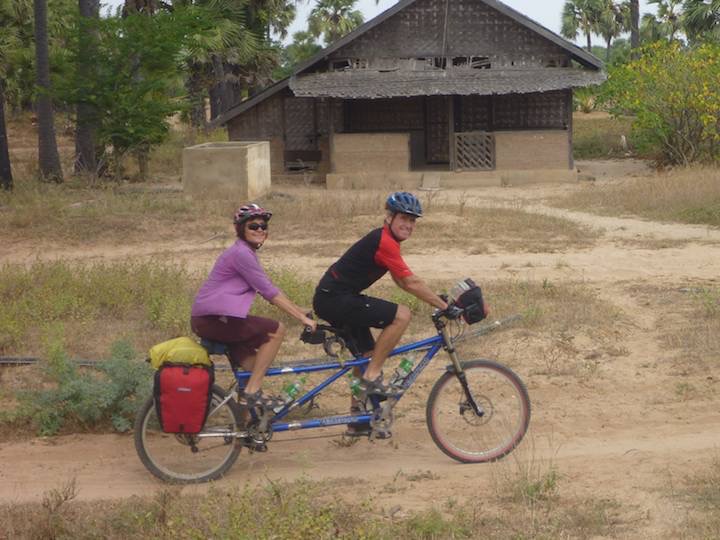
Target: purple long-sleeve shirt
{"x": 232, "y": 284}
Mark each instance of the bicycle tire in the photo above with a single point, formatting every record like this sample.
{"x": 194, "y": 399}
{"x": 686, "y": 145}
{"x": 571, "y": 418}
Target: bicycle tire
{"x": 170, "y": 457}
{"x": 467, "y": 437}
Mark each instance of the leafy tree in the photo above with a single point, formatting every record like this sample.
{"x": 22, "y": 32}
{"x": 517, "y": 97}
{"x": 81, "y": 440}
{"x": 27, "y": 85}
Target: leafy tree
{"x": 673, "y": 93}
{"x": 132, "y": 88}
{"x": 332, "y": 19}
{"x": 702, "y": 19}
{"x": 302, "y": 48}
{"x": 48, "y": 157}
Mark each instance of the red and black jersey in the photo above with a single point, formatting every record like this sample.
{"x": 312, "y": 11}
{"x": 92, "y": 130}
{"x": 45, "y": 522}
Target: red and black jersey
{"x": 365, "y": 262}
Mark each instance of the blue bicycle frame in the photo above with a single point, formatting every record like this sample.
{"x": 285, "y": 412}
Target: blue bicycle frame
{"x": 432, "y": 345}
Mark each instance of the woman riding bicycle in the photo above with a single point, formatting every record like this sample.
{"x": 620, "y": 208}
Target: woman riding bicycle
{"x": 221, "y": 308}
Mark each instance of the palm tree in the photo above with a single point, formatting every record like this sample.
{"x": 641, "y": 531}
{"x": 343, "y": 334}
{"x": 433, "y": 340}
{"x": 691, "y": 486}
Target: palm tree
{"x": 611, "y": 22}
{"x": 6, "y": 179}
{"x": 634, "y": 8}
{"x": 580, "y": 16}
{"x": 13, "y": 17}
{"x": 85, "y": 159}
{"x": 333, "y": 19}
{"x": 48, "y": 156}
{"x": 702, "y": 19}
{"x": 669, "y": 17}
{"x": 8, "y": 39}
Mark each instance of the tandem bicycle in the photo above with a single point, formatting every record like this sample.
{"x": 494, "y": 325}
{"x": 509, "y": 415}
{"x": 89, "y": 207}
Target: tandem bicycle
{"x": 477, "y": 411}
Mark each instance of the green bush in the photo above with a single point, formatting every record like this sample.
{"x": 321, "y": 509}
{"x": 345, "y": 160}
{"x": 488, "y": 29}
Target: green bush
{"x": 674, "y": 94}
{"x": 106, "y": 399}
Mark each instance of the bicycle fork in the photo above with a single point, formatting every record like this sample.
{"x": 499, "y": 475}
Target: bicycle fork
{"x": 457, "y": 369}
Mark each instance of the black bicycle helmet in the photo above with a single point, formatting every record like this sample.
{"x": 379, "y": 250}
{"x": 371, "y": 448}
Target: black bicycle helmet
{"x": 402, "y": 202}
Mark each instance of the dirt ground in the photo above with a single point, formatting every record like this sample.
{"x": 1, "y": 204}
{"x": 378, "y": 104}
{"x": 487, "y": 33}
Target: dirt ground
{"x": 624, "y": 434}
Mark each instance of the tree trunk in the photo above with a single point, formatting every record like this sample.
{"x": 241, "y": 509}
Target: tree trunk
{"x": 222, "y": 86}
{"x": 48, "y": 157}
{"x": 634, "y": 24}
{"x": 589, "y": 43}
{"x": 6, "y": 181}
{"x": 607, "y": 50}
{"x": 143, "y": 160}
{"x": 196, "y": 95}
{"x": 87, "y": 118}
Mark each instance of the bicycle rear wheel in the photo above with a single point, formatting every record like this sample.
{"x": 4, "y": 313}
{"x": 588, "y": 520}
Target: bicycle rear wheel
{"x": 189, "y": 459}
{"x": 467, "y": 437}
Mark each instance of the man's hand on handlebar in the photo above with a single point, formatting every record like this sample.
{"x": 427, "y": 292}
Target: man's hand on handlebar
{"x": 453, "y": 312}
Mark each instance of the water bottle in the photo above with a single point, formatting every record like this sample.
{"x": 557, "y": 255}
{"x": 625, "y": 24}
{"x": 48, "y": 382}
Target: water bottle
{"x": 291, "y": 390}
{"x": 402, "y": 371}
{"x": 354, "y": 384}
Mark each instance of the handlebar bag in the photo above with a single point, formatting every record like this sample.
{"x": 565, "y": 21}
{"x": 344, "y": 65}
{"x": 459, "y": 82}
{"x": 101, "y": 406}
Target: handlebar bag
{"x": 183, "y": 394}
{"x": 472, "y": 303}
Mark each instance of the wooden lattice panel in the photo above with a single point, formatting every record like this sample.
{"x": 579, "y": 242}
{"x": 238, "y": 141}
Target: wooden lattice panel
{"x": 300, "y": 128}
{"x": 474, "y": 151}
{"x": 437, "y": 129}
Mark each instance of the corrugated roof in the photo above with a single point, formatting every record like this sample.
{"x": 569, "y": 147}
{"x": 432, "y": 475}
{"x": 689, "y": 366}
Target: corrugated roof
{"x": 368, "y": 84}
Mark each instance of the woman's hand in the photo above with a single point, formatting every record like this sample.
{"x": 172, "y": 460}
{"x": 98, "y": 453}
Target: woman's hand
{"x": 309, "y": 323}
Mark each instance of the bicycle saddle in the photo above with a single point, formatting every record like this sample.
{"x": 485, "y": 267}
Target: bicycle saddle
{"x": 214, "y": 347}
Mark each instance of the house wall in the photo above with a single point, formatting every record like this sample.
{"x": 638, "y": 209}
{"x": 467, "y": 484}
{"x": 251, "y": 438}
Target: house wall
{"x": 284, "y": 122}
{"x": 531, "y": 150}
{"x": 370, "y": 152}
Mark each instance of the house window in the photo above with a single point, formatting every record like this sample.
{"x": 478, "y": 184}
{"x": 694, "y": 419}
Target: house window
{"x": 345, "y": 64}
{"x": 471, "y": 62}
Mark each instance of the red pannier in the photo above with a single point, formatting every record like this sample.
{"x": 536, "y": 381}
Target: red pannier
{"x": 183, "y": 394}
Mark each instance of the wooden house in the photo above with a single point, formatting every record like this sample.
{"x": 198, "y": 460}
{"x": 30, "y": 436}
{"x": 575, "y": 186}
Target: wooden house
{"x": 430, "y": 92}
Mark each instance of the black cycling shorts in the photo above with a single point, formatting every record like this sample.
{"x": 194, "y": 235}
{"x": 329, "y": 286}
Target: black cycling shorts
{"x": 355, "y": 313}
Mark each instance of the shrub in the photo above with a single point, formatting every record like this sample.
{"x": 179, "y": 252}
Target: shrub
{"x": 101, "y": 400}
{"x": 673, "y": 93}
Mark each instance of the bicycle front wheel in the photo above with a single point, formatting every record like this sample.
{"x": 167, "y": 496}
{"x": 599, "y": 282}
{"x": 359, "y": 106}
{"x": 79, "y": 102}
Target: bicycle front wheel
{"x": 471, "y": 438}
{"x": 190, "y": 459}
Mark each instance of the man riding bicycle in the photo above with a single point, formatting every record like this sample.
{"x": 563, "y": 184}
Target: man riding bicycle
{"x": 338, "y": 297}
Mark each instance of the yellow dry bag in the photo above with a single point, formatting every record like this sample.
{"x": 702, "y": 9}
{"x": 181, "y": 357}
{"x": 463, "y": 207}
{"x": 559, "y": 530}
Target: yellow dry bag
{"x": 182, "y": 350}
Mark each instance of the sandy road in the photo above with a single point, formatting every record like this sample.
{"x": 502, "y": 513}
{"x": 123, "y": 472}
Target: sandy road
{"x": 623, "y": 434}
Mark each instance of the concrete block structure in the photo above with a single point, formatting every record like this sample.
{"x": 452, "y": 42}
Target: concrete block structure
{"x": 236, "y": 170}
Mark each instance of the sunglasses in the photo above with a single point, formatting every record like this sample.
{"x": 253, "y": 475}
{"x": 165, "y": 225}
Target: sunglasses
{"x": 258, "y": 226}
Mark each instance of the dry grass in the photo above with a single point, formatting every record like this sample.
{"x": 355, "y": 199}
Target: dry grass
{"x": 700, "y": 495}
{"x": 479, "y": 230}
{"x": 693, "y": 330}
{"x": 303, "y": 509}
{"x": 597, "y": 136}
{"x": 687, "y": 195}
